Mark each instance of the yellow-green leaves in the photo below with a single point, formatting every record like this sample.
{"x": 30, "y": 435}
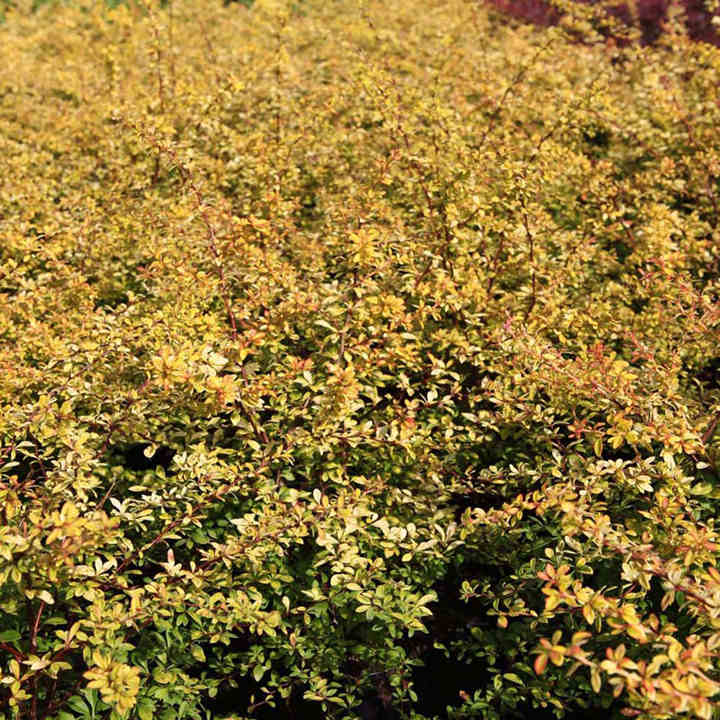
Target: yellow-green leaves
{"x": 118, "y": 683}
{"x": 342, "y": 337}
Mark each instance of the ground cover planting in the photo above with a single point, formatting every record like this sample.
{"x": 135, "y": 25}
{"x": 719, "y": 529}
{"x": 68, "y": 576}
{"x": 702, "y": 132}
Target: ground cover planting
{"x": 359, "y": 360}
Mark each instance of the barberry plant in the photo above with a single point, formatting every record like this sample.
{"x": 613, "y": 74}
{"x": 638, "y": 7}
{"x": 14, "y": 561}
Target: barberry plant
{"x": 344, "y": 338}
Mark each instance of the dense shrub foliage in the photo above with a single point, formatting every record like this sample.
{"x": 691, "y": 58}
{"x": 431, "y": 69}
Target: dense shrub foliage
{"x": 360, "y": 359}
{"x": 648, "y": 17}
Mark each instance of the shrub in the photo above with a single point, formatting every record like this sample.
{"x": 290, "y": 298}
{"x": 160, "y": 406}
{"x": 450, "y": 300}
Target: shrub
{"x": 648, "y": 17}
{"x": 349, "y": 346}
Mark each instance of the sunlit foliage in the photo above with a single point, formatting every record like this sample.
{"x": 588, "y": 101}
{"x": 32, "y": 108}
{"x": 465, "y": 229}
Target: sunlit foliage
{"x": 339, "y": 335}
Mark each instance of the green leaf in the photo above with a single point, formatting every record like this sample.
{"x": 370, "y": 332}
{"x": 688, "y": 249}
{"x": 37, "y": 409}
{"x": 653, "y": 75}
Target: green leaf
{"x": 162, "y": 676}
{"x": 145, "y": 710}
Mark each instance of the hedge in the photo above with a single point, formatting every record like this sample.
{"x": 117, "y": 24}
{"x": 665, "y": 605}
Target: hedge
{"x": 649, "y": 18}
{"x": 360, "y": 360}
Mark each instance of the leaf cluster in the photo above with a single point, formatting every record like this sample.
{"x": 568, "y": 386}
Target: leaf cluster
{"x": 344, "y": 337}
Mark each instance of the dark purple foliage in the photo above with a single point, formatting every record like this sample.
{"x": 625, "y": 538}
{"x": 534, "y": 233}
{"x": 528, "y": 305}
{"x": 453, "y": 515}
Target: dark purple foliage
{"x": 651, "y": 15}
